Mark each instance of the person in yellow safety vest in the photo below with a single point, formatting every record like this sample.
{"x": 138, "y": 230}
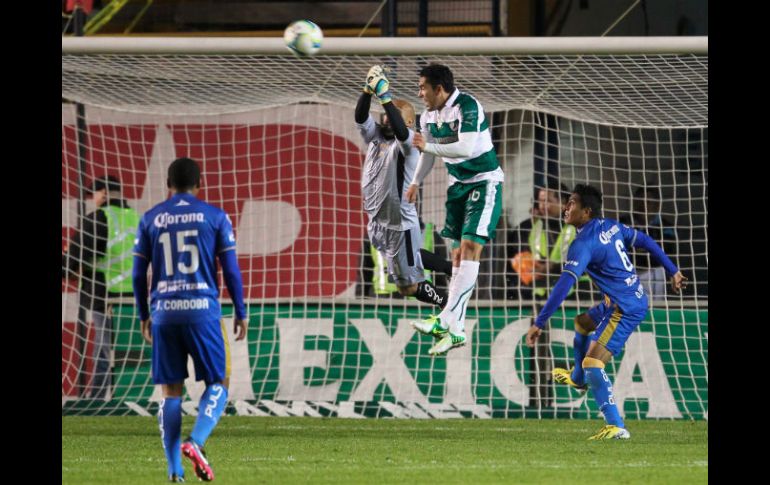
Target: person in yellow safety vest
{"x": 550, "y": 238}
{"x": 381, "y": 285}
{"x": 102, "y": 252}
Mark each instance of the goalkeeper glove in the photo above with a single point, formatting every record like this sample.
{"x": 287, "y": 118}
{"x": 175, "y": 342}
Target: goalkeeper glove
{"x": 374, "y": 71}
{"x": 378, "y": 84}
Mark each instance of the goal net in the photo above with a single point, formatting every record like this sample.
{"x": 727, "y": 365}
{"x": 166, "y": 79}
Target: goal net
{"x": 280, "y": 153}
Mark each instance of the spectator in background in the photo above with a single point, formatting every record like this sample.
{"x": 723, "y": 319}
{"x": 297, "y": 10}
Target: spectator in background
{"x": 549, "y": 238}
{"x": 101, "y": 253}
{"x": 646, "y": 216}
{"x": 519, "y": 271}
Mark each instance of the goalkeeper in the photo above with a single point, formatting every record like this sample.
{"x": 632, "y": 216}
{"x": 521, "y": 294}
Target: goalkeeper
{"x": 394, "y": 228}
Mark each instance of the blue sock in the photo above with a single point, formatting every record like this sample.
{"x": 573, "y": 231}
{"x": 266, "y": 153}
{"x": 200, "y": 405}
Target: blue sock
{"x": 170, "y": 423}
{"x": 580, "y": 348}
{"x": 602, "y": 391}
{"x": 210, "y": 410}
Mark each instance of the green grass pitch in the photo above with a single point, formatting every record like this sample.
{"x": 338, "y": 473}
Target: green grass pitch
{"x": 250, "y": 450}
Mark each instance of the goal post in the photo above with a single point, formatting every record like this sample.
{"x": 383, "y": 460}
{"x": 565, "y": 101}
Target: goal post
{"x": 280, "y": 153}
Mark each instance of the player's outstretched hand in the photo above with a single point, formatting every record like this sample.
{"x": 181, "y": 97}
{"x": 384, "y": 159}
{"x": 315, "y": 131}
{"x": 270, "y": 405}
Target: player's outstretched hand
{"x": 367, "y": 89}
{"x": 411, "y": 193}
{"x": 532, "y": 335}
{"x": 678, "y": 281}
{"x": 239, "y": 328}
{"x": 378, "y": 84}
{"x": 147, "y": 330}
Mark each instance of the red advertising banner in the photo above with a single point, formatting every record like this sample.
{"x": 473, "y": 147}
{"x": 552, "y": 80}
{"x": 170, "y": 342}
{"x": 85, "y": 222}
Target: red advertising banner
{"x": 312, "y": 170}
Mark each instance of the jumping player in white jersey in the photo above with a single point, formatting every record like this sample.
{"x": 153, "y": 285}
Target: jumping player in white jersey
{"x": 394, "y": 228}
{"x": 454, "y": 127}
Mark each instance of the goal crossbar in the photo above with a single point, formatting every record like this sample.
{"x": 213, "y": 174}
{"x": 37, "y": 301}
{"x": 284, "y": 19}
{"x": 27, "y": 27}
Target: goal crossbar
{"x": 391, "y": 45}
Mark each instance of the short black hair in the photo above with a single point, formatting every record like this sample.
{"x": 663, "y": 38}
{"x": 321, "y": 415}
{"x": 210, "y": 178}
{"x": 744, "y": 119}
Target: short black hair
{"x": 590, "y": 198}
{"x": 439, "y": 75}
{"x": 184, "y": 174}
{"x": 109, "y": 182}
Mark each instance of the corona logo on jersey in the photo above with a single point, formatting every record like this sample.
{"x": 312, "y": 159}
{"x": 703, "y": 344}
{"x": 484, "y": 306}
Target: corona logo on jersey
{"x": 606, "y": 236}
{"x": 164, "y": 219}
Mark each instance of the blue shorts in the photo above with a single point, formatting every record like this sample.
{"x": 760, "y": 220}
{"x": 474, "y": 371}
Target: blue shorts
{"x": 205, "y": 342}
{"x": 613, "y": 327}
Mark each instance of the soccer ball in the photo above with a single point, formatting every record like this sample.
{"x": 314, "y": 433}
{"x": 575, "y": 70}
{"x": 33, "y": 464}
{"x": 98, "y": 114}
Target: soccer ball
{"x": 303, "y": 37}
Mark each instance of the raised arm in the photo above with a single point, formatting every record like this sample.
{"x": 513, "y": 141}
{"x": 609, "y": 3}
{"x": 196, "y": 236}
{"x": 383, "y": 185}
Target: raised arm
{"x": 362, "y": 107}
{"x": 396, "y": 121}
{"x": 366, "y": 126}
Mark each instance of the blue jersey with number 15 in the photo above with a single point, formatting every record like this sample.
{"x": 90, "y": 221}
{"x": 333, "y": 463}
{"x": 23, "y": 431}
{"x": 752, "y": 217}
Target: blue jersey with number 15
{"x": 601, "y": 249}
{"x": 181, "y": 238}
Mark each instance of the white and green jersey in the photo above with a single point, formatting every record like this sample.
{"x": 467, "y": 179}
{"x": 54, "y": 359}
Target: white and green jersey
{"x": 459, "y": 133}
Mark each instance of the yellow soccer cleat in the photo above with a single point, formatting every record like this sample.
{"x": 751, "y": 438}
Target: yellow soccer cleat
{"x": 564, "y": 376}
{"x": 611, "y": 432}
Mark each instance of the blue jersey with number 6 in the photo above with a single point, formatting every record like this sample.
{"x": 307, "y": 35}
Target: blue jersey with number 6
{"x": 181, "y": 238}
{"x": 601, "y": 249}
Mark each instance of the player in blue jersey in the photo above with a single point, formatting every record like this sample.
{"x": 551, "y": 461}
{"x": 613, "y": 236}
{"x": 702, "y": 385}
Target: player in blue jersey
{"x": 600, "y": 248}
{"x": 181, "y": 239}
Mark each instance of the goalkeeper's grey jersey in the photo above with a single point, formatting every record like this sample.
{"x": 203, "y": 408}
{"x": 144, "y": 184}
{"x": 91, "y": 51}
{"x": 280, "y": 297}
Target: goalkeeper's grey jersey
{"x": 388, "y": 169}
